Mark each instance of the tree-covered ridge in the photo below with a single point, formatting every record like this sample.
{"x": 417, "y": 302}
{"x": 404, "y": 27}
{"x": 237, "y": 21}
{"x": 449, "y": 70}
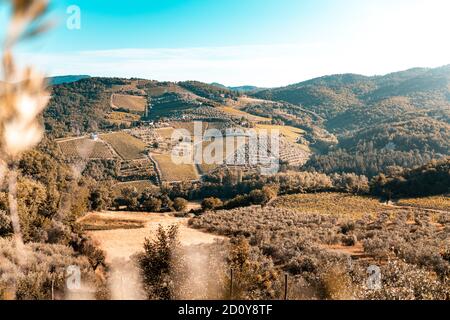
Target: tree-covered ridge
{"x": 339, "y": 91}
{"x": 208, "y": 91}
{"x": 430, "y": 179}
{"x": 399, "y": 119}
{"x": 78, "y": 107}
{"x": 422, "y": 134}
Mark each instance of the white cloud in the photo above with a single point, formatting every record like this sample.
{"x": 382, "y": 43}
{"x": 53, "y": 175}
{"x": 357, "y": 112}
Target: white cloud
{"x": 264, "y": 65}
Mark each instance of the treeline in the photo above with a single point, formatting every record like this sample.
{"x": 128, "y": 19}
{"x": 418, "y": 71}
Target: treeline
{"x": 148, "y": 200}
{"x": 423, "y": 134}
{"x": 228, "y": 184}
{"x": 431, "y": 179}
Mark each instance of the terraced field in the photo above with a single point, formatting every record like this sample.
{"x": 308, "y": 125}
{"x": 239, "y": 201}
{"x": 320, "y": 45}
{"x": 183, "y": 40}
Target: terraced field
{"x": 141, "y": 169}
{"x": 85, "y": 148}
{"x": 127, "y": 146}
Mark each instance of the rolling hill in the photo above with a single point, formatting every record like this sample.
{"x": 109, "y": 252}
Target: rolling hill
{"x": 65, "y": 79}
{"x": 352, "y": 123}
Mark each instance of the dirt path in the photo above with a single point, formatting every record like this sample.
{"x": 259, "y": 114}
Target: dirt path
{"x": 121, "y": 244}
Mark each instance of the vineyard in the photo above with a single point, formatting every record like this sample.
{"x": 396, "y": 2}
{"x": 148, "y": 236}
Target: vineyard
{"x": 85, "y": 148}
{"x": 119, "y": 118}
{"x": 171, "y": 172}
{"x": 242, "y": 114}
{"x": 142, "y": 169}
{"x": 293, "y": 154}
{"x": 290, "y": 133}
{"x": 127, "y": 146}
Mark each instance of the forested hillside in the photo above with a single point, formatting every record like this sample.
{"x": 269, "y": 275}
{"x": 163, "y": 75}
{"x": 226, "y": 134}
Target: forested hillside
{"x": 352, "y": 123}
{"x": 399, "y": 119}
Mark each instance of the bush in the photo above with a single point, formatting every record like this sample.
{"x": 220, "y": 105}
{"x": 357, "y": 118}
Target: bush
{"x": 44, "y": 264}
{"x": 5, "y": 224}
{"x": 211, "y": 204}
{"x": 237, "y": 202}
{"x": 152, "y": 204}
{"x": 180, "y": 204}
{"x": 258, "y": 197}
{"x": 349, "y": 241}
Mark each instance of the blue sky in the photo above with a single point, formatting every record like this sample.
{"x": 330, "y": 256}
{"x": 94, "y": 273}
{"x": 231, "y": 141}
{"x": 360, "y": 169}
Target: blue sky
{"x": 236, "y": 42}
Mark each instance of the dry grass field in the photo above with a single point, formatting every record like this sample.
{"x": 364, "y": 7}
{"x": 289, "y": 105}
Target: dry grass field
{"x": 227, "y": 152}
{"x": 127, "y": 146}
{"x": 85, "y": 148}
{"x": 113, "y": 232}
{"x": 132, "y": 103}
{"x": 122, "y": 243}
{"x": 95, "y": 222}
{"x": 435, "y": 203}
{"x": 172, "y": 172}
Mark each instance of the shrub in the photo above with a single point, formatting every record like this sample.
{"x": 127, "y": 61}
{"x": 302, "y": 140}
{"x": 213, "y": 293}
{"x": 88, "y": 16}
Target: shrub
{"x": 407, "y": 282}
{"x": 45, "y": 264}
{"x": 5, "y": 224}
{"x": 180, "y": 204}
{"x": 152, "y": 204}
{"x": 211, "y": 203}
{"x": 349, "y": 241}
{"x": 258, "y": 197}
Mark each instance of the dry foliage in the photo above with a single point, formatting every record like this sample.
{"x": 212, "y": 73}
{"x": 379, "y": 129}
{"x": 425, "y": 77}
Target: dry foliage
{"x": 313, "y": 245}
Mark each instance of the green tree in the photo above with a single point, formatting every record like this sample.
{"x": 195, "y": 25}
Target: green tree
{"x": 180, "y": 204}
{"x": 152, "y": 204}
{"x": 211, "y": 203}
{"x": 158, "y": 264}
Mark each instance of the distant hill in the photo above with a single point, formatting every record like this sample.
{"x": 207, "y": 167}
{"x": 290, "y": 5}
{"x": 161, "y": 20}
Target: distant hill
{"x": 66, "y": 79}
{"x": 353, "y": 123}
{"x": 399, "y": 119}
{"x": 243, "y": 89}
{"x": 329, "y": 96}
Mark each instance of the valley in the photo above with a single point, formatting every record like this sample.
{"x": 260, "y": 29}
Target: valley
{"x": 362, "y": 180}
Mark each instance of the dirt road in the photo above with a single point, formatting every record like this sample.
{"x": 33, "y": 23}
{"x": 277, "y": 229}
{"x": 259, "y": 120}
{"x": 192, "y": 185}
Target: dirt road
{"x": 121, "y": 244}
